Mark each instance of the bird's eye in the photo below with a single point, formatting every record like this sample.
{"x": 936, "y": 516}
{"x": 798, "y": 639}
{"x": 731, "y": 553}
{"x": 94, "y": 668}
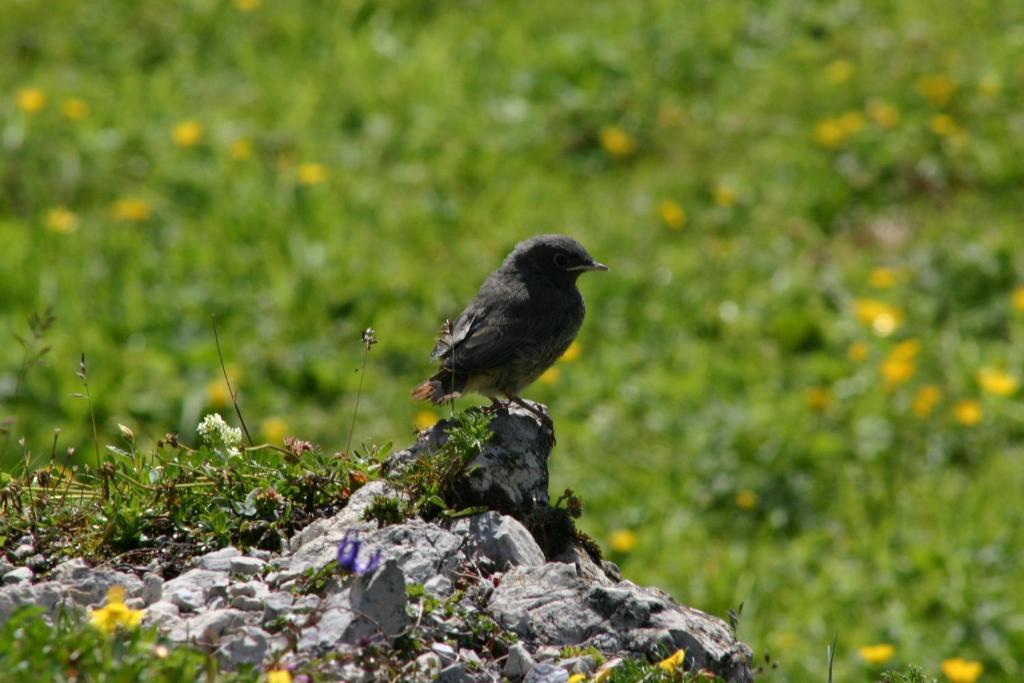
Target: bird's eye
{"x": 561, "y": 260}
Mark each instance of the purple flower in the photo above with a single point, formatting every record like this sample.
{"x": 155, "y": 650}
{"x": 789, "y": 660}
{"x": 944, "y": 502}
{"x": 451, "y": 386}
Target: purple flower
{"x": 348, "y": 556}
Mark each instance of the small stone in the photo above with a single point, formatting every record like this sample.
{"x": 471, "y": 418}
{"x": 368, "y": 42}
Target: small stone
{"x": 518, "y": 663}
{"x": 379, "y": 600}
{"x": 546, "y": 673}
{"x": 19, "y": 575}
{"x": 248, "y": 646}
{"x": 246, "y": 604}
{"x": 455, "y": 673}
{"x": 135, "y": 603}
{"x": 23, "y": 551}
{"x": 210, "y": 625}
{"x": 275, "y": 606}
{"x": 500, "y": 540}
{"x": 428, "y": 664}
{"x": 195, "y": 588}
{"x": 246, "y": 566}
{"x": 152, "y": 588}
{"x": 162, "y": 614}
{"x": 219, "y": 560}
{"x": 445, "y": 651}
{"x": 548, "y": 652}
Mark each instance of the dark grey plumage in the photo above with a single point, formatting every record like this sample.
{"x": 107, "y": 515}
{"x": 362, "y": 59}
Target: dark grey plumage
{"x": 522, "y": 319}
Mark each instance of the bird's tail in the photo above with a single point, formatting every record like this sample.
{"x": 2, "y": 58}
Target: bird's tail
{"x": 443, "y": 386}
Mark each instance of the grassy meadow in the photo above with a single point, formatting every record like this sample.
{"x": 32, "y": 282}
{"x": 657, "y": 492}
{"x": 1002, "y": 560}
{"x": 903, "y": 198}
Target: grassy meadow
{"x": 796, "y": 388}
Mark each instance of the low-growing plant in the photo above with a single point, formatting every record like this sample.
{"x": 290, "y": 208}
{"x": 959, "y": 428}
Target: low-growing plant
{"x": 70, "y": 648}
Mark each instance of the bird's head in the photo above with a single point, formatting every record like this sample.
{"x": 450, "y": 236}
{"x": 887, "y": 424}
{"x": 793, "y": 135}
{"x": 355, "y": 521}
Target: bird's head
{"x": 556, "y": 258}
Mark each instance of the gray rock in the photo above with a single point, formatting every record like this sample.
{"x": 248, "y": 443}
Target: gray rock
{"x": 445, "y": 651}
{"x": 14, "y": 596}
{"x": 455, "y": 673}
{"x": 23, "y": 551}
{"x": 246, "y": 566}
{"x": 219, "y": 560}
{"x": 70, "y": 570}
{"x": 152, "y": 588}
{"x": 429, "y": 665}
{"x": 511, "y": 472}
{"x": 49, "y": 595}
{"x": 193, "y": 589}
{"x": 501, "y": 539}
{"x": 248, "y": 645}
{"x": 275, "y": 606}
{"x": 248, "y": 596}
{"x": 332, "y": 627}
{"x": 208, "y": 627}
{"x": 19, "y": 575}
{"x": 553, "y": 605}
{"x": 378, "y": 601}
{"x": 90, "y": 587}
{"x": 162, "y": 614}
{"x": 546, "y": 673}
{"x": 518, "y": 663}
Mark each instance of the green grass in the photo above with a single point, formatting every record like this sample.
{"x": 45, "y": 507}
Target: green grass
{"x": 447, "y": 132}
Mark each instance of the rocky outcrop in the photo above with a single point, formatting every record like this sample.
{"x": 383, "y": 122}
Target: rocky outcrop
{"x": 441, "y": 582}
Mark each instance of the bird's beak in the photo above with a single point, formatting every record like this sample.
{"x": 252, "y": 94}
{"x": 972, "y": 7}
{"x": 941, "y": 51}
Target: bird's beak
{"x": 593, "y": 265}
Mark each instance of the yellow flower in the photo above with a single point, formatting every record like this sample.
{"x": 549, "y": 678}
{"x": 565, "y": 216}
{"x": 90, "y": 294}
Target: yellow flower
{"x": 115, "y": 614}
{"x": 187, "y": 133}
{"x": 883, "y": 278}
{"x": 851, "y": 122}
{"x": 898, "y": 367}
{"x": 858, "y": 351}
{"x": 936, "y": 88}
{"x": 1017, "y": 299}
{"x": 746, "y": 499}
{"x": 312, "y": 174}
{"x": 672, "y": 214}
{"x": 278, "y": 675}
{"x": 839, "y": 71}
{"x": 549, "y": 376}
{"x": 577, "y": 678}
{"x": 883, "y": 113}
{"x": 425, "y": 419}
{"x": 673, "y": 662}
{"x": 943, "y": 125}
{"x": 997, "y": 382}
{"x": 968, "y": 413}
{"x": 883, "y": 318}
{"x": 571, "y": 353}
{"x": 131, "y": 209}
{"x": 241, "y": 149}
{"x": 876, "y": 654}
{"x": 724, "y": 195}
{"x": 829, "y": 133}
{"x": 30, "y": 100}
{"x": 622, "y": 540}
{"x": 907, "y": 350}
{"x": 818, "y": 398}
{"x": 248, "y": 6}
{"x": 217, "y": 393}
{"x": 990, "y": 85}
{"x": 274, "y": 429}
{"x": 75, "y": 108}
{"x": 959, "y": 670}
{"x": 925, "y": 400}
{"x": 617, "y": 142}
{"x": 60, "y": 219}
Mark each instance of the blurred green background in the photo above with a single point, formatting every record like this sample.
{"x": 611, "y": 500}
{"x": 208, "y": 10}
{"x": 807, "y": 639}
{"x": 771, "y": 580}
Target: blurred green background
{"x": 797, "y": 386}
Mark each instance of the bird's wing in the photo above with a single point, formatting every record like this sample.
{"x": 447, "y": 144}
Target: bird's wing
{"x": 487, "y": 344}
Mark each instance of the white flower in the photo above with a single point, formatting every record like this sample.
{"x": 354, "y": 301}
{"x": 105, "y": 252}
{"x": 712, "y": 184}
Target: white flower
{"x": 214, "y": 432}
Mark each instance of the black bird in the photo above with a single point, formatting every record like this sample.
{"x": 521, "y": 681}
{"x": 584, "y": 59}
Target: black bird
{"x": 522, "y": 320}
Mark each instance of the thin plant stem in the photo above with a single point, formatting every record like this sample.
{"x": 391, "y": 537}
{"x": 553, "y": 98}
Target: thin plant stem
{"x": 231, "y": 391}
